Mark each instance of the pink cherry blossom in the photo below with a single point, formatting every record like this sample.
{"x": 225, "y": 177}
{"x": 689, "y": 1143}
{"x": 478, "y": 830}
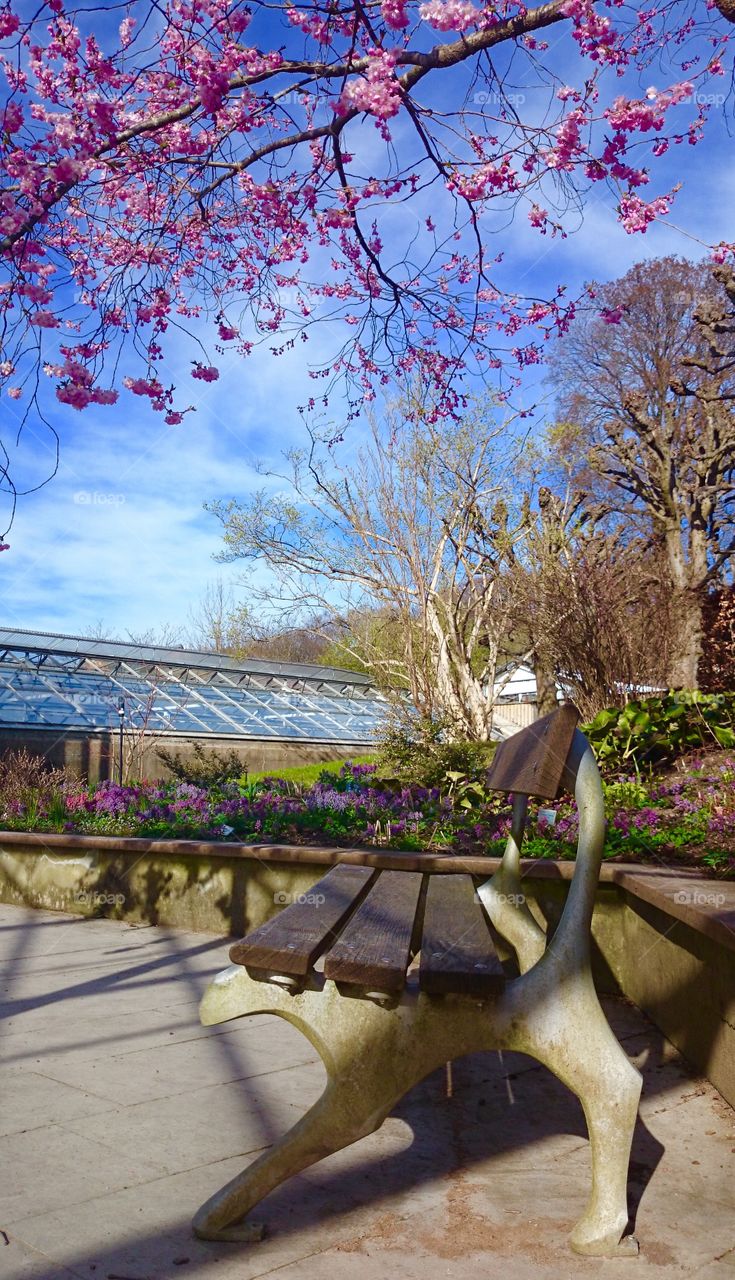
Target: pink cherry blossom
{"x": 207, "y": 373}
{"x": 44, "y": 319}
{"x": 378, "y": 93}
{"x": 636, "y": 215}
{"x": 395, "y": 13}
{"x": 144, "y": 190}
{"x": 449, "y": 15}
{"x": 9, "y": 23}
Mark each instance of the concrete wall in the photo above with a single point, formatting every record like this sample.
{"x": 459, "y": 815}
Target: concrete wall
{"x": 95, "y": 755}
{"x": 683, "y": 979}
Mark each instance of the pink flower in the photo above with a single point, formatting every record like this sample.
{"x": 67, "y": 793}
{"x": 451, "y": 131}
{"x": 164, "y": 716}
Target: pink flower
{"x": 173, "y": 419}
{"x": 636, "y": 215}
{"x": 612, "y": 315}
{"x": 9, "y": 24}
{"x": 35, "y": 292}
{"x": 73, "y": 394}
{"x": 127, "y": 26}
{"x": 44, "y": 319}
{"x": 144, "y": 387}
{"x": 449, "y": 15}
{"x": 206, "y": 372}
{"x": 15, "y": 393}
{"x": 490, "y": 177}
{"x": 722, "y": 251}
{"x": 12, "y": 117}
{"x": 394, "y": 13}
{"x": 379, "y": 93}
{"x": 226, "y": 332}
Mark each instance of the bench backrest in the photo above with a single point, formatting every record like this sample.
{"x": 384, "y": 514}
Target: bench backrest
{"x": 533, "y": 761}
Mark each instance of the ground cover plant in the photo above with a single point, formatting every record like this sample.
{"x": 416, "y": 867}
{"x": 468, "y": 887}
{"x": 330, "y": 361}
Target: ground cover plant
{"x": 684, "y": 815}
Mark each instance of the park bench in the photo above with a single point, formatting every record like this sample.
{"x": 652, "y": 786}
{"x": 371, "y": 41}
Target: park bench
{"x": 336, "y": 965}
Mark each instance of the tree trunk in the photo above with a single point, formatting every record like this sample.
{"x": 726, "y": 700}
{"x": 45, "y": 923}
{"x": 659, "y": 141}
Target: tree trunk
{"x": 545, "y": 686}
{"x": 688, "y": 569}
{"x": 688, "y": 620}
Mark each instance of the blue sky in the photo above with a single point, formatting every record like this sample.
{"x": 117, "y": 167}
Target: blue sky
{"x": 120, "y": 538}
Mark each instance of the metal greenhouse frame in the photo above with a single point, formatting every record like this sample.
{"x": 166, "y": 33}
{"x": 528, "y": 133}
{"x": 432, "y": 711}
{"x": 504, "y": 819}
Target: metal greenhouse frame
{"x": 68, "y": 682}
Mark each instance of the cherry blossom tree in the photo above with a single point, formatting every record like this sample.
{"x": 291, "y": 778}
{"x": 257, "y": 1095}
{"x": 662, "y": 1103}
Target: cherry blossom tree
{"x": 351, "y": 164}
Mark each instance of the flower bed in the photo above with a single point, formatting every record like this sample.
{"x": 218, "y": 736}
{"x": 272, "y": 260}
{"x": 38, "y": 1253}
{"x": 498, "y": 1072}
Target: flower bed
{"x": 686, "y": 817}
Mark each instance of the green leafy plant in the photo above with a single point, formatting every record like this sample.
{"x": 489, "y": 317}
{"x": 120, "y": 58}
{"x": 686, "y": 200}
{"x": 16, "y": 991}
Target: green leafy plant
{"x": 204, "y": 767}
{"x": 624, "y": 794}
{"x": 422, "y": 754}
{"x": 654, "y": 731}
{"x": 466, "y": 792}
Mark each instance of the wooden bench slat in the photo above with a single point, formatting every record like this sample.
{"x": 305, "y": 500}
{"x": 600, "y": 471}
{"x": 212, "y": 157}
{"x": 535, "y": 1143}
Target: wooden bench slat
{"x": 457, "y": 949}
{"x": 292, "y": 940}
{"x": 532, "y": 762}
{"x": 374, "y": 950}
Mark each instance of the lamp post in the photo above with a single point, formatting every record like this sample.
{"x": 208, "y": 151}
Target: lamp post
{"x": 121, "y": 713}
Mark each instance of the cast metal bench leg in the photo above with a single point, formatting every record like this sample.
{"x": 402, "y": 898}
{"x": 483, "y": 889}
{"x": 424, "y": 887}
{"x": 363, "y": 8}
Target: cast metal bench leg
{"x": 569, "y": 1033}
{"x": 336, "y": 1120}
{"x": 369, "y": 1068}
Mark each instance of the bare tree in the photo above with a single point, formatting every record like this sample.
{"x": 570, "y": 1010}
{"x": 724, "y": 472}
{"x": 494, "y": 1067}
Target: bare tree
{"x": 646, "y": 390}
{"x": 218, "y": 622}
{"x": 592, "y": 606}
{"x": 416, "y": 527}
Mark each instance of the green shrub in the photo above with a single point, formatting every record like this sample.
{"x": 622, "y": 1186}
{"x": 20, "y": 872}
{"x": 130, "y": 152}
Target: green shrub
{"x": 204, "y": 767}
{"x": 306, "y": 774}
{"x": 624, "y": 795}
{"x": 656, "y": 731}
{"x": 422, "y": 755}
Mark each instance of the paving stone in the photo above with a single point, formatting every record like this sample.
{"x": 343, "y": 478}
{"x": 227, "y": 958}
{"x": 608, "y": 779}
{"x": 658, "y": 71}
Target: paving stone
{"x": 46, "y": 1167}
{"x": 30, "y": 1100}
{"x": 122, "y": 1114}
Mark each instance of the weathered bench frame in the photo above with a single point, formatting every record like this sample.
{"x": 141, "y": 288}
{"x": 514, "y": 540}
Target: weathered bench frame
{"x": 374, "y": 1050}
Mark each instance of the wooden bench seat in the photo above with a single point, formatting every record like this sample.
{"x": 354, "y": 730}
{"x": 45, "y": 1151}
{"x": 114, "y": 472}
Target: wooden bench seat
{"x": 369, "y": 926}
{"x": 359, "y": 931}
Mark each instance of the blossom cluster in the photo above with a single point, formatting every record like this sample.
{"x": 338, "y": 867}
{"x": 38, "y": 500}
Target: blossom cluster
{"x": 140, "y": 194}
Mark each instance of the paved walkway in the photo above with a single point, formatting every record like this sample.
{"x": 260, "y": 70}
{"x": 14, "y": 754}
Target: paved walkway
{"x": 119, "y": 1114}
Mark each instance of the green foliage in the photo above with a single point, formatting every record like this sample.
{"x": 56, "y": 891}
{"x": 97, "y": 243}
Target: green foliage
{"x": 624, "y": 794}
{"x": 656, "y": 731}
{"x": 304, "y": 774}
{"x": 205, "y": 767}
{"x": 422, "y": 755}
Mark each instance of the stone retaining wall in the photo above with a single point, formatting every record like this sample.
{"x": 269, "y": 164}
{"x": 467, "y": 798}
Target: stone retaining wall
{"x": 665, "y": 941}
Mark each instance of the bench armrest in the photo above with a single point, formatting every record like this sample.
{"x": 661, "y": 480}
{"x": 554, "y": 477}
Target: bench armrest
{"x": 502, "y": 894}
{"x": 583, "y": 777}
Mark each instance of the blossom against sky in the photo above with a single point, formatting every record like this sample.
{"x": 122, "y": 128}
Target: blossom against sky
{"x": 136, "y": 551}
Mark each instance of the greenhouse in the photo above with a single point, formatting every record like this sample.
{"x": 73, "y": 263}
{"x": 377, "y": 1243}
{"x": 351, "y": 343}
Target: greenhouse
{"x": 71, "y": 687}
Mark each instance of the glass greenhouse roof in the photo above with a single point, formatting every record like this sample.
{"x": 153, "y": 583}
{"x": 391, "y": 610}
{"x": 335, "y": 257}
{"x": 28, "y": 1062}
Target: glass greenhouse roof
{"x": 52, "y": 681}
